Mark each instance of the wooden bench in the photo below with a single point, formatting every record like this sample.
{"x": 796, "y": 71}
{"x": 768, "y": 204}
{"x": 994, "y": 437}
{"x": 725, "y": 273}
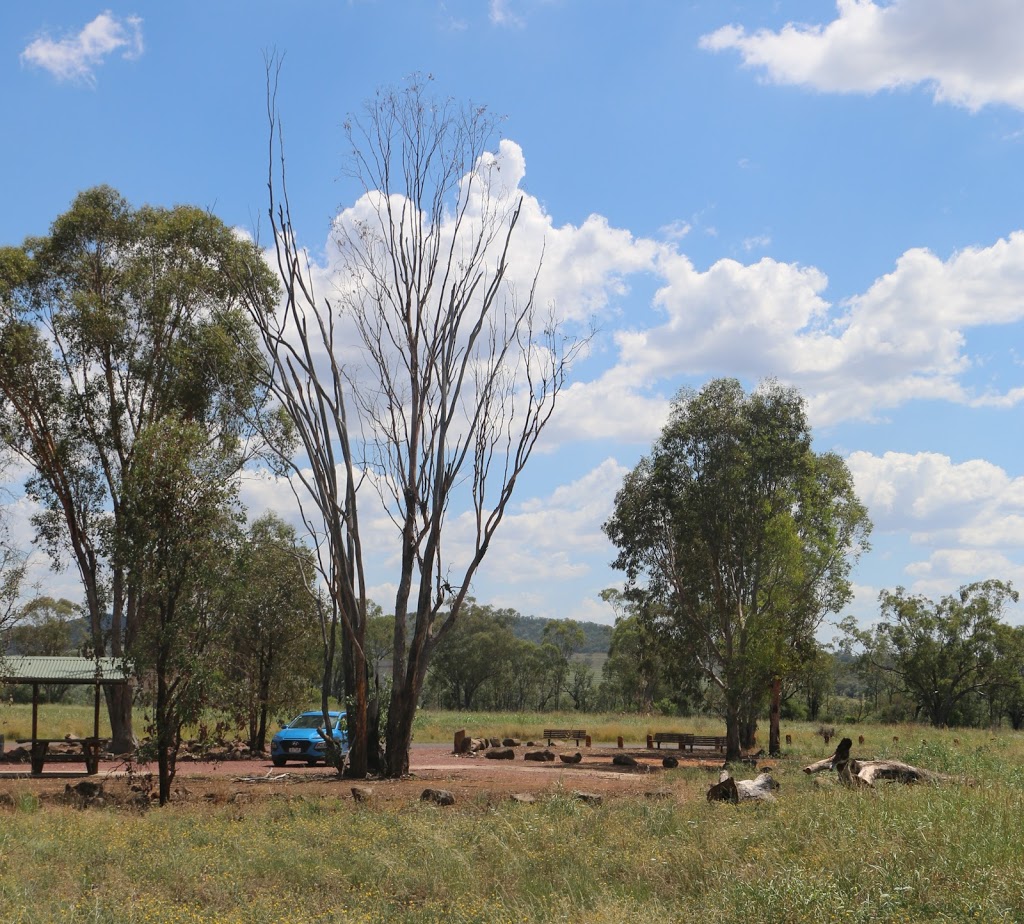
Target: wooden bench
{"x": 681, "y": 738}
{"x": 578, "y": 734}
{"x": 687, "y": 741}
{"x": 85, "y": 750}
{"x": 715, "y": 742}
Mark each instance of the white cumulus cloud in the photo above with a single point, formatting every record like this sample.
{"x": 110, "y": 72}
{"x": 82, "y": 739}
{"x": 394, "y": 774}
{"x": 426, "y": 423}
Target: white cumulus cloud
{"x": 968, "y": 54}
{"x": 906, "y": 337}
{"x": 965, "y": 518}
{"x": 75, "y": 57}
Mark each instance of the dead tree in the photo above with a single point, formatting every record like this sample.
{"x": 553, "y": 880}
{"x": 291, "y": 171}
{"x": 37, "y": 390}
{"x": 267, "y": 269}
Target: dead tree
{"x": 447, "y": 373}
{"x": 855, "y": 772}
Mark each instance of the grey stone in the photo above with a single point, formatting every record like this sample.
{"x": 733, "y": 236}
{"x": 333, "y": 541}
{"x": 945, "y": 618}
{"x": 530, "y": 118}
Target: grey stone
{"x": 438, "y": 796}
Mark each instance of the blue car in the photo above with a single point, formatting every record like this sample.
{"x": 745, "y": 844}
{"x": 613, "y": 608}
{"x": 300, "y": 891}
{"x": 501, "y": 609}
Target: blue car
{"x": 300, "y": 739}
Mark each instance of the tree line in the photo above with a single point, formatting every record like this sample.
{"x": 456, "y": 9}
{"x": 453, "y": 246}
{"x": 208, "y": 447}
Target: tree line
{"x": 149, "y": 355}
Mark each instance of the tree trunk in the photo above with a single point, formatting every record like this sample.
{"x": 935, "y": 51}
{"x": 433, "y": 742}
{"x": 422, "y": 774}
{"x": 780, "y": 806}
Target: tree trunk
{"x": 261, "y": 728}
{"x": 774, "y": 736}
{"x": 165, "y": 764}
{"x": 119, "y": 708}
{"x": 398, "y": 740}
{"x": 748, "y": 731}
{"x": 732, "y": 733}
{"x": 356, "y": 701}
{"x": 118, "y": 698}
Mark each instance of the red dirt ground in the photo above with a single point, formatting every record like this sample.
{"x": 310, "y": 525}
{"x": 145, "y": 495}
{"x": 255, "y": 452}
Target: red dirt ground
{"x": 430, "y": 765}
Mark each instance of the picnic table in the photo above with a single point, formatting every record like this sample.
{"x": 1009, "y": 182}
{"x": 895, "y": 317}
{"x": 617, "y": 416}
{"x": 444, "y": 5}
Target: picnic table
{"x": 85, "y": 750}
{"x": 578, "y": 734}
{"x": 687, "y": 741}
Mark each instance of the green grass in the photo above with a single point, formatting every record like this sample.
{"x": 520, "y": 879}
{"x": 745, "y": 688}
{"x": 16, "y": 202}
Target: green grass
{"x": 439, "y": 726}
{"x": 55, "y": 720}
{"x": 820, "y": 854}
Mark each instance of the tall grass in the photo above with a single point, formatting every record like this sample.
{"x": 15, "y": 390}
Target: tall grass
{"x": 604, "y": 727}
{"x": 819, "y": 854}
{"x": 55, "y": 720}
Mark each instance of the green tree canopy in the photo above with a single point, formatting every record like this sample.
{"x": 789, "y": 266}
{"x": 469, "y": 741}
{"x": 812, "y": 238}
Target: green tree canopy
{"x": 116, "y": 320}
{"x": 943, "y": 653}
{"x": 743, "y": 534}
{"x": 179, "y": 544}
{"x": 270, "y": 654}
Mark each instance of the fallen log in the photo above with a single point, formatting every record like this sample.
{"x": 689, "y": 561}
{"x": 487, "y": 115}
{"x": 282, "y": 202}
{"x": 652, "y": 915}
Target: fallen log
{"x": 856, "y": 772}
{"x": 759, "y": 789}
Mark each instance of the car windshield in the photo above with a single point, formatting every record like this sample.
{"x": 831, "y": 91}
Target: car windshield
{"x": 315, "y": 720}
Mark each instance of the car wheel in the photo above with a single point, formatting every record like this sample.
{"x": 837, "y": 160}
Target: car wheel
{"x": 279, "y": 761}
{"x": 311, "y": 763}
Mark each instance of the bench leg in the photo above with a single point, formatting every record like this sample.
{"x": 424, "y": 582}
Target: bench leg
{"x": 38, "y": 758}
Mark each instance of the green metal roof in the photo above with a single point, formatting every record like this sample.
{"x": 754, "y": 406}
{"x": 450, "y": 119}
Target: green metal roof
{"x": 62, "y": 669}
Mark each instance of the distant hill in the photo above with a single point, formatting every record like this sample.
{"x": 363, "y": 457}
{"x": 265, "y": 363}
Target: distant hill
{"x": 531, "y": 628}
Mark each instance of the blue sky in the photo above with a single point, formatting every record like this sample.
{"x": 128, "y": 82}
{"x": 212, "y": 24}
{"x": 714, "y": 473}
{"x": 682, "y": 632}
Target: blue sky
{"x": 827, "y": 193}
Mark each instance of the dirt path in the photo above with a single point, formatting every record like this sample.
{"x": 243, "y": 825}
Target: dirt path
{"x": 430, "y": 765}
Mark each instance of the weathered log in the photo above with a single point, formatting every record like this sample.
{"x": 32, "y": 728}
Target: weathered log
{"x": 854, "y": 771}
{"x": 759, "y": 789}
{"x": 871, "y": 770}
{"x": 724, "y": 790}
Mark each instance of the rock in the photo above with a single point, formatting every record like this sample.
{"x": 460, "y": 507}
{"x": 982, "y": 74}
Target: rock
{"x": 501, "y": 754}
{"x": 494, "y": 742}
{"x": 524, "y": 798}
{"x": 539, "y": 755}
{"x": 510, "y": 743}
{"x": 590, "y": 798}
{"x": 670, "y": 763}
{"x": 570, "y": 758}
{"x": 624, "y": 760}
{"x": 87, "y": 789}
{"x": 362, "y": 793}
{"x": 438, "y": 796}
{"x": 85, "y": 794}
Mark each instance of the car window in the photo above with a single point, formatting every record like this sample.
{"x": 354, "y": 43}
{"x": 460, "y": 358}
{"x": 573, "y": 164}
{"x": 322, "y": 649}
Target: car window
{"x": 307, "y": 721}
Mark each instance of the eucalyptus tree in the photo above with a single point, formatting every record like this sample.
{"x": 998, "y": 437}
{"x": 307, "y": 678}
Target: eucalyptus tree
{"x": 181, "y": 529}
{"x": 269, "y": 647}
{"x": 473, "y": 654}
{"x": 420, "y": 387}
{"x": 119, "y": 318}
{"x": 743, "y": 536}
{"x": 943, "y": 652}
{"x": 13, "y": 567}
